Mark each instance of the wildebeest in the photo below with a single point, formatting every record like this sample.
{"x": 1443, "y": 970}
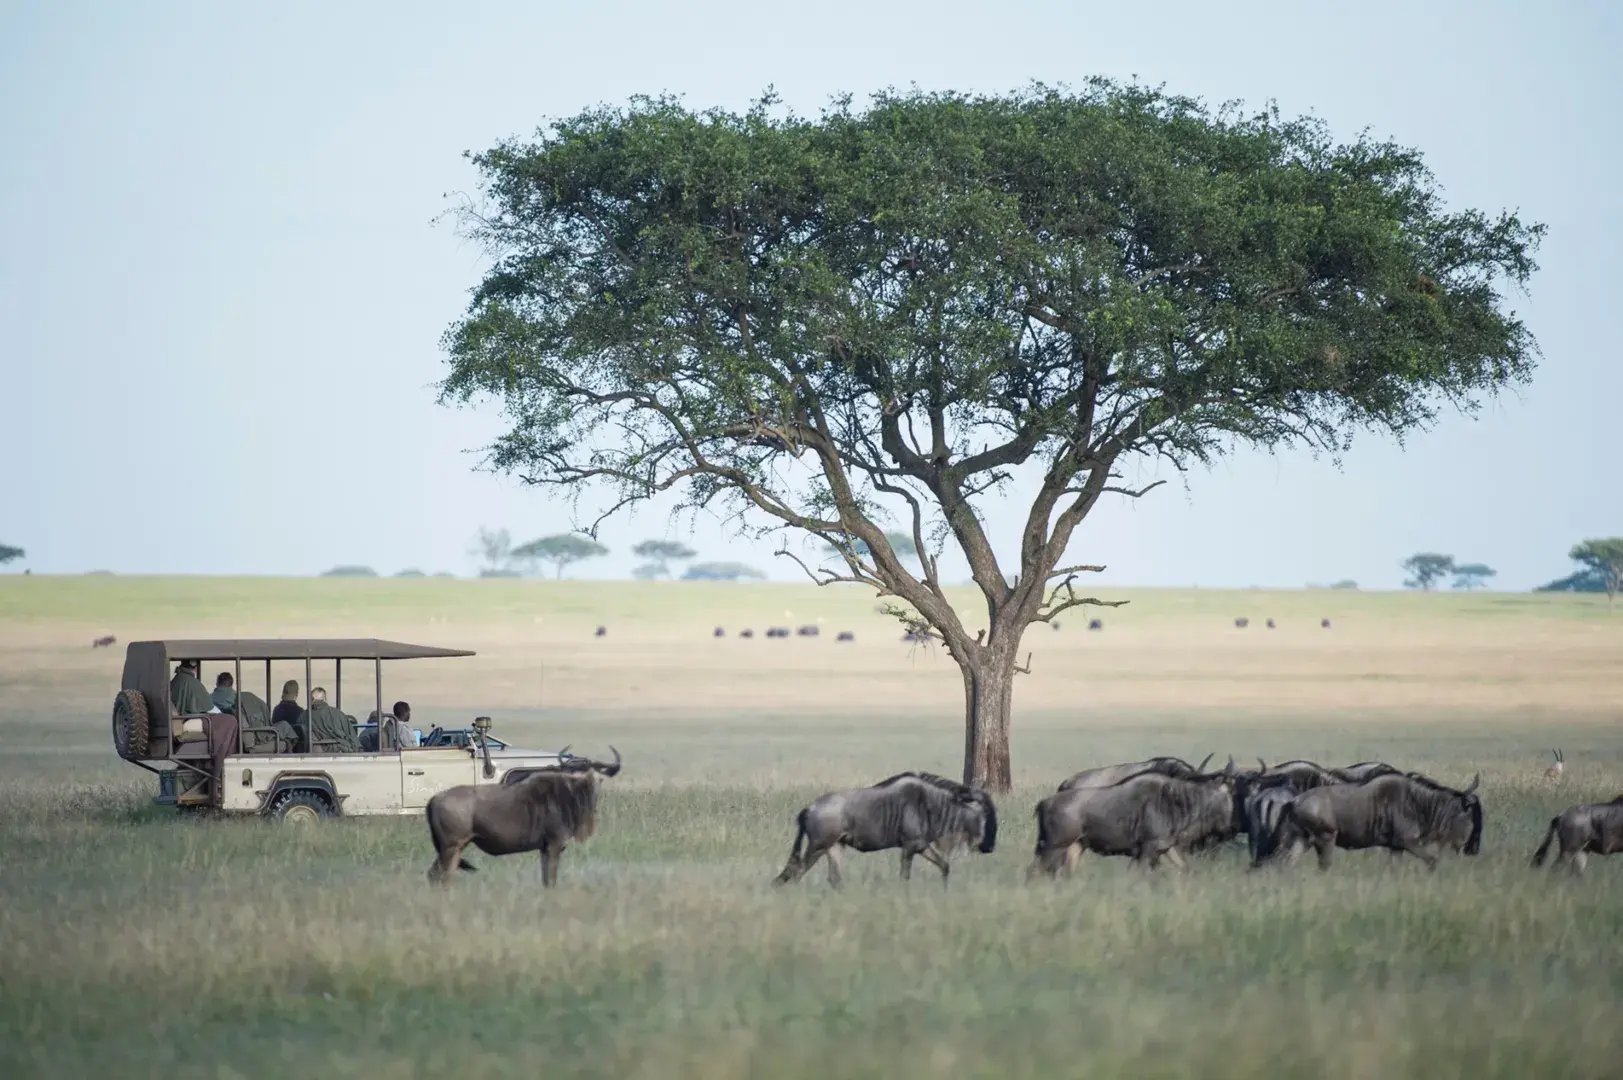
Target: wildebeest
{"x": 602, "y": 631}
{"x": 777, "y": 631}
{"x": 544, "y": 812}
{"x": 1270, "y": 624}
{"x": 1554, "y": 771}
{"x": 1242, "y": 622}
{"x": 1096, "y": 624}
{"x": 1146, "y": 817}
{"x": 1400, "y": 812}
{"x": 846, "y": 635}
{"x": 1263, "y": 808}
{"x": 918, "y": 812}
{"x": 1324, "y": 624}
{"x": 718, "y": 632}
{"x": 1593, "y": 828}
{"x": 104, "y": 642}
{"x": 809, "y": 630}
{"x": 1364, "y": 770}
{"x": 746, "y": 633}
{"x": 1105, "y": 775}
{"x": 1301, "y": 775}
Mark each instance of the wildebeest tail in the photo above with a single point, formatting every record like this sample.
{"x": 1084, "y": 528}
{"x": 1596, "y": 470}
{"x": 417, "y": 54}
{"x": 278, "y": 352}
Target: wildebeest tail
{"x": 1544, "y": 848}
{"x": 1042, "y": 830}
{"x": 989, "y": 829}
{"x": 795, "y": 851}
{"x": 1278, "y": 836}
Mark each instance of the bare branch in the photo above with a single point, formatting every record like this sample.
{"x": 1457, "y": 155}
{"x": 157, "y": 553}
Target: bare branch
{"x": 1131, "y": 493}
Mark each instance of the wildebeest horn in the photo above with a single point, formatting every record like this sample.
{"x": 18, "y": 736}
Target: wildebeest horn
{"x": 1202, "y": 766}
{"x": 608, "y": 770}
{"x": 1475, "y": 780}
{"x": 1262, "y": 765}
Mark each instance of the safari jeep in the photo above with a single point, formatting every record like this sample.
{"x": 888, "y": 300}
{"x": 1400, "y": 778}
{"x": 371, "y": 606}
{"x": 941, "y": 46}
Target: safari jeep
{"x": 238, "y": 762}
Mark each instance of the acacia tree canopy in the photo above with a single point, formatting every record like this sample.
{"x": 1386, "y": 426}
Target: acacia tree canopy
{"x": 8, "y": 553}
{"x": 878, "y": 313}
{"x": 560, "y": 550}
{"x": 1603, "y": 559}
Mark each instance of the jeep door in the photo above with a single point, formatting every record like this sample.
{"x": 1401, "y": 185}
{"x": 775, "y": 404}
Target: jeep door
{"x": 424, "y": 772}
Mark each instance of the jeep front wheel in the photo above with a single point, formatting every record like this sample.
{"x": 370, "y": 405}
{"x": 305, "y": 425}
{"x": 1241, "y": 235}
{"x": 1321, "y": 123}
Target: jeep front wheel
{"x": 132, "y": 728}
{"x": 300, "y": 806}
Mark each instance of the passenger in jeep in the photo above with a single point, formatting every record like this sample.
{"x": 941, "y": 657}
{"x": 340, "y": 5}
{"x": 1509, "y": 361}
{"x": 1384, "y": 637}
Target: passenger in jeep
{"x": 186, "y": 693}
{"x": 330, "y": 730}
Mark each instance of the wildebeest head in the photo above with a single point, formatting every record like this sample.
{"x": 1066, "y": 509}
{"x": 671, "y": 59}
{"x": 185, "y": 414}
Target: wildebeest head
{"x": 976, "y": 819}
{"x": 1464, "y": 831}
{"x": 586, "y": 765}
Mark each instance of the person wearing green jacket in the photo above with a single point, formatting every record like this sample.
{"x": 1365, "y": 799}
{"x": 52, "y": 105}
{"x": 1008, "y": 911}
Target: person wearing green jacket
{"x": 187, "y": 695}
{"x": 328, "y": 725}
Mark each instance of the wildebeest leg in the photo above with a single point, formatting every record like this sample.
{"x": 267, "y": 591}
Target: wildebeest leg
{"x": 446, "y": 863}
{"x": 935, "y": 858}
{"x": 907, "y": 865}
{"x": 551, "y": 856}
{"x": 1324, "y": 845}
{"x": 1414, "y": 848}
{"x": 1577, "y": 862}
{"x": 1175, "y": 859}
{"x": 834, "y": 858}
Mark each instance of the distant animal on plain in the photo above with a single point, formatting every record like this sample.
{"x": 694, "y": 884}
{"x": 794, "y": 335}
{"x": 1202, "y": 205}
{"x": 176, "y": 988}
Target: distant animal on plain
{"x": 808, "y": 631}
{"x": 917, "y": 637}
{"x": 718, "y": 632}
{"x": 1554, "y": 771}
{"x": 846, "y": 635}
{"x": 746, "y": 633}
{"x": 602, "y": 631}
{"x": 1270, "y": 624}
{"x": 545, "y": 812}
{"x": 104, "y": 642}
{"x": 1324, "y": 624}
{"x": 777, "y": 632}
{"x": 923, "y": 814}
{"x": 1096, "y": 624}
{"x": 1242, "y": 622}
{"x": 1593, "y": 829}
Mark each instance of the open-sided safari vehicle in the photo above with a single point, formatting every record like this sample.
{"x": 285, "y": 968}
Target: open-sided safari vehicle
{"x": 240, "y": 762}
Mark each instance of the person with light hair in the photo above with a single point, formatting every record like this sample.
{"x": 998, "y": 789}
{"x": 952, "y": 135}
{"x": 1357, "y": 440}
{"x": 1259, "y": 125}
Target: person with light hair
{"x": 330, "y": 730}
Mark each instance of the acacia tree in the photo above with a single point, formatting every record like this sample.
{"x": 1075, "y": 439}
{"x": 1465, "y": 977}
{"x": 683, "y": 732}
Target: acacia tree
{"x": 882, "y": 314}
{"x": 1472, "y": 575}
{"x": 8, "y": 553}
{"x": 1603, "y": 559}
{"x": 659, "y": 554}
{"x": 1426, "y": 569}
{"x": 560, "y": 550}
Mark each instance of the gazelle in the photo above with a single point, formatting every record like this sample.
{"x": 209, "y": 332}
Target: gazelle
{"x": 1554, "y": 771}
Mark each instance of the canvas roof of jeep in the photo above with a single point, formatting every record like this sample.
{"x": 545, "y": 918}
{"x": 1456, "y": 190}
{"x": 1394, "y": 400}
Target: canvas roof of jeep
{"x": 298, "y": 649}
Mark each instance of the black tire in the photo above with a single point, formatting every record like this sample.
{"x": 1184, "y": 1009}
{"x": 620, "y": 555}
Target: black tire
{"x": 300, "y": 806}
{"x": 132, "y": 727}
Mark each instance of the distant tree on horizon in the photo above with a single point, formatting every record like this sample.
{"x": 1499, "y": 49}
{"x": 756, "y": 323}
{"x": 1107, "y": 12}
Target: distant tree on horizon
{"x": 560, "y": 550}
{"x": 720, "y": 571}
{"x": 1603, "y": 559}
{"x": 1472, "y": 575}
{"x": 494, "y": 547}
{"x": 9, "y": 553}
{"x": 657, "y": 556}
{"x": 1426, "y": 569}
{"x": 410, "y": 572}
{"x": 350, "y": 571}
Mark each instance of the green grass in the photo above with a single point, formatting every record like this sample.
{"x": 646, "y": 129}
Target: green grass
{"x": 137, "y": 942}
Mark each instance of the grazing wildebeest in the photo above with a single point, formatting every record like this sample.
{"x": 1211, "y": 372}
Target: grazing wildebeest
{"x": 544, "y": 812}
{"x": 1593, "y": 828}
{"x": 1400, "y": 812}
{"x": 746, "y": 633}
{"x": 808, "y": 630}
{"x": 1242, "y": 622}
{"x": 1324, "y": 624}
{"x": 718, "y": 632}
{"x": 920, "y": 813}
{"x": 1264, "y": 806}
{"x": 777, "y": 632}
{"x": 1096, "y": 624}
{"x": 846, "y": 635}
{"x": 917, "y": 637}
{"x": 104, "y": 642}
{"x": 602, "y": 631}
{"x": 1105, "y": 775}
{"x": 1301, "y": 774}
{"x": 1270, "y": 624}
{"x": 1146, "y": 817}
{"x": 1364, "y": 770}
{"x": 1554, "y": 771}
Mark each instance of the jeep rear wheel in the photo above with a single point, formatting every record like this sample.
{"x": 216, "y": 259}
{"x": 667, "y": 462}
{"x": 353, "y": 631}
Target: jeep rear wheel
{"x": 132, "y": 728}
{"x": 300, "y": 806}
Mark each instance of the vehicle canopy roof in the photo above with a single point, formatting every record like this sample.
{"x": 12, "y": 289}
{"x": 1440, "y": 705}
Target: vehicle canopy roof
{"x": 295, "y": 649}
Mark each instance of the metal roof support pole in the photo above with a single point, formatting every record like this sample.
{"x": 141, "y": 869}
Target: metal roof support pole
{"x": 338, "y": 683}
{"x": 309, "y": 742}
{"x": 377, "y": 677}
{"x": 237, "y": 711}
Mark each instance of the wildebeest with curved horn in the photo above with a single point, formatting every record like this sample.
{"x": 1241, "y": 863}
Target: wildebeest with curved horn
{"x": 1363, "y": 771}
{"x": 920, "y": 813}
{"x": 1401, "y": 812}
{"x": 1147, "y": 816}
{"x": 543, "y": 812}
{"x": 1595, "y": 828}
{"x": 1106, "y": 775}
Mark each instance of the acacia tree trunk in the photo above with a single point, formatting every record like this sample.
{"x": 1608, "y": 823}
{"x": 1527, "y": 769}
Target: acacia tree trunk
{"x": 988, "y": 695}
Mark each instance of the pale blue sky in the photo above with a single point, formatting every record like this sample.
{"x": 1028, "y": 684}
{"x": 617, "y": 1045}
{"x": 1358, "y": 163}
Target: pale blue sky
{"x": 221, "y": 292}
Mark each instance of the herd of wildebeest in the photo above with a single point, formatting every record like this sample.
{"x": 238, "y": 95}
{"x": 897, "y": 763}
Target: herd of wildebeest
{"x": 1160, "y": 808}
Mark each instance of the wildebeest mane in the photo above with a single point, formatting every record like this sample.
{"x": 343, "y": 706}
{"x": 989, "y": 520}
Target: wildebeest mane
{"x": 570, "y": 795}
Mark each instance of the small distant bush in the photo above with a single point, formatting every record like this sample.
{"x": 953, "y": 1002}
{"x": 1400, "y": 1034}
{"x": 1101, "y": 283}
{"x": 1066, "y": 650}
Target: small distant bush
{"x": 1346, "y": 583}
{"x": 499, "y": 572}
{"x": 444, "y": 573}
{"x": 350, "y": 571}
{"x": 410, "y": 573}
{"x": 98, "y": 573}
{"x": 720, "y": 571}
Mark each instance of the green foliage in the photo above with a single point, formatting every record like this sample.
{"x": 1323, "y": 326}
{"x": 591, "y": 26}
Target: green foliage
{"x": 1472, "y": 575}
{"x": 350, "y": 571}
{"x": 878, "y": 314}
{"x": 494, "y": 548}
{"x": 1426, "y": 569}
{"x": 410, "y": 573}
{"x": 1583, "y": 581}
{"x": 9, "y": 553}
{"x": 560, "y": 550}
{"x": 720, "y": 571}
{"x": 1345, "y": 583}
{"x": 1603, "y": 559}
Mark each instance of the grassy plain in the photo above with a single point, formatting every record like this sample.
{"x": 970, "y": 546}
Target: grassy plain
{"x": 136, "y": 943}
